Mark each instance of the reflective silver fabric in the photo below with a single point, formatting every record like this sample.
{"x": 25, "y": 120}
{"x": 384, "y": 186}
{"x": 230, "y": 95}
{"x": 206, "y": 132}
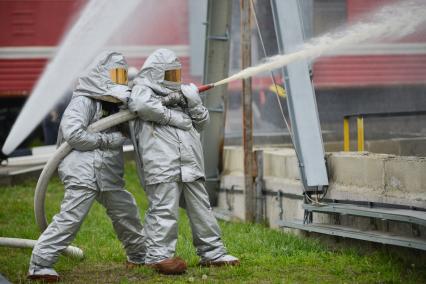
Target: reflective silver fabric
{"x": 169, "y": 144}
{"x": 120, "y": 207}
{"x": 96, "y": 81}
{"x": 40, "y": 270}
{"x": 171, "y": 156}
{"x": 161, "y": 229}
{"x": 93, "y": 170}
{"x": 97, "y": 158}
{"x": 88, "y": 165}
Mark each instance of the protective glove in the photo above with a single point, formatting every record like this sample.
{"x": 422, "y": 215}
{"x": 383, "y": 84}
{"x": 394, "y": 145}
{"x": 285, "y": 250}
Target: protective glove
{"x": 112, "y": 140}
{"x": 174, "y": 99}
{"x": 191, "y": 94}
{"x": 180, "y": 120}
{"x": 119, "y": 92}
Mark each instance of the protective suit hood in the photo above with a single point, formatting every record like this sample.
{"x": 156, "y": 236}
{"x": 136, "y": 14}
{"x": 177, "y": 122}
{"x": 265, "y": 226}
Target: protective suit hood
{"x": 96, "y": 83}
{"x": 152, "y": 71}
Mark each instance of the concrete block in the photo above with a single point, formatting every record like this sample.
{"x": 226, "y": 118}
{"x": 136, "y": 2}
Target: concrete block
{"x": 405, "y": 174}
{"x": 234, "y": 203}
{"x": 281, "y": 163}
{"x": 292, "y": 210}
{"x": 233, "y": 160}
{"x": 357, "y": 169}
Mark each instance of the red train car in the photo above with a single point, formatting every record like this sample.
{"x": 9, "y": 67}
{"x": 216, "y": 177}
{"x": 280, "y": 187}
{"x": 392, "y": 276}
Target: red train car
{"x": 31, "y": 31}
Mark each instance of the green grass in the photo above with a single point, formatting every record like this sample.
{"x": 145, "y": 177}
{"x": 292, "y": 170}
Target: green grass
{"x": 267, "y": 256}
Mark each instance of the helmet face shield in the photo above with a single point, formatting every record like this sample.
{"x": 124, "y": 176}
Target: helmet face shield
{"x": 119, "y": 76}
{"x": 173, "y": 75}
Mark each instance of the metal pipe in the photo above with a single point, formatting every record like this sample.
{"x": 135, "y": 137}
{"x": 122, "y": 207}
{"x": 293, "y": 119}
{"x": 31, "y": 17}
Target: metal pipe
{"x": 346, "y": 137}
{"x": 360, "y": 127}
{"x": 25, "y": 243}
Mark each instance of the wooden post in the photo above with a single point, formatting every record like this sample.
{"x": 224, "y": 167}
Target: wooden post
{"x": 247, "y": 112}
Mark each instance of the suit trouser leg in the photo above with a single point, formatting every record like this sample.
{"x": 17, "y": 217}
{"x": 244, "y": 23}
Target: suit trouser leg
{"x": 206, "y": 233}
{"x": 64, "y": 227}
{"x": 161, "y": 227}
{"x": 122, "y": 209}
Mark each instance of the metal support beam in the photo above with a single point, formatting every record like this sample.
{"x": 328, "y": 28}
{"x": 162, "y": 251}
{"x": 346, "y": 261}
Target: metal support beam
{"x": 301, "y": 97}
{"x": 247, "y": 111}
{"x": 216, "y": 67}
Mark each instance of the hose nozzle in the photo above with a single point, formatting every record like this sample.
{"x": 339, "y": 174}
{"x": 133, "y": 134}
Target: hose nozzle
{"x": 204, "y": 88}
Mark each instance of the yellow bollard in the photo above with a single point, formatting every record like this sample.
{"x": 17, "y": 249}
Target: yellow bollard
{"x": 346, "y": 141}
{"x": 360, "y": 127}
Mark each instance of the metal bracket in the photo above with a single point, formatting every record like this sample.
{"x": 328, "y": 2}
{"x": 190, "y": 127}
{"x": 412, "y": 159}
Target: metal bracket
{"x": 259, "y": 184}
{"x": 307, "y": 215}
{"x": 279, "y": 198}
{"x": 230, "y": 200}
{"x": 224, "y": 37}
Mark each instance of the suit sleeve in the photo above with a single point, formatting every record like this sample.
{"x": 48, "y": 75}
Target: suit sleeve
{"x": 148, "y": 106}
{"x": 75, "y": 121}
{"x": 200, "y": 117}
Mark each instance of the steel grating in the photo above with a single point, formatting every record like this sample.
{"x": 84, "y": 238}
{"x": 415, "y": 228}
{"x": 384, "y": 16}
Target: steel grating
{"x": 402, "y": 215}
{"x": 346, "y": 232}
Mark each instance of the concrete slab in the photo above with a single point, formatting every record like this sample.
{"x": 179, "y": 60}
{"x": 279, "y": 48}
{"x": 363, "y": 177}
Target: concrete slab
{"x": 281, "y": 163}
{"x": 405, "y": 174}
{"x": 233, "y": 160}
{"x": 357, "y": 169}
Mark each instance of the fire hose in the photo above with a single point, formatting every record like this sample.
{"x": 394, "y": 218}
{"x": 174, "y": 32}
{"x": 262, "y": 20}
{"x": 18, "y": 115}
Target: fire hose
{"x": 25, "y": 243}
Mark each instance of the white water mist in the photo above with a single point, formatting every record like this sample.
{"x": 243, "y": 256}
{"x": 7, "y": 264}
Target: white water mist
{"x": 98, "y": 21}
{"x": 391, "y": 23}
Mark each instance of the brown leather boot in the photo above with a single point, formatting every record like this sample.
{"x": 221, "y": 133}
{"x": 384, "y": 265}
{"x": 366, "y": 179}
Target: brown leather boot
{"x": 174, "y": 265}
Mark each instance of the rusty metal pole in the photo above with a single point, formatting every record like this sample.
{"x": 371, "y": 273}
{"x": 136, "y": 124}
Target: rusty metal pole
{"x": 247, "y": 112}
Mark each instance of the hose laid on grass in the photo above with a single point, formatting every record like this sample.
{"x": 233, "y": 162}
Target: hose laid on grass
{"x": 25, "y": 243}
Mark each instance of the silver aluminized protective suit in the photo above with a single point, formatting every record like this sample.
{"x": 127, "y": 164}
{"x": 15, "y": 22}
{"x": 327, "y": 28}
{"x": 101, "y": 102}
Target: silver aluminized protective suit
{"x": 92, "y": 171}
{"x": 171, "y": 157}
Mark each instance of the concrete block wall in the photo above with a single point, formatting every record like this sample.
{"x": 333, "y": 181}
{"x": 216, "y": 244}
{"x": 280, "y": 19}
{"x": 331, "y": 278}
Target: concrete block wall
{"x": 352, "y": 176}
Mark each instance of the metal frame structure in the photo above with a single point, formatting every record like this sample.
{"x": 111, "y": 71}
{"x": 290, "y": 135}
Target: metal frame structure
{"x": 301, "y": 98}
{"x": 216, "y": 67}
{"x": 401, "y": 215}
{"x": 346, "y": 232}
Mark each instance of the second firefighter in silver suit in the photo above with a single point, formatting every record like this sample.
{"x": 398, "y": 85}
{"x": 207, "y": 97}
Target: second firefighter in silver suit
{"x": 170, "y": 159}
